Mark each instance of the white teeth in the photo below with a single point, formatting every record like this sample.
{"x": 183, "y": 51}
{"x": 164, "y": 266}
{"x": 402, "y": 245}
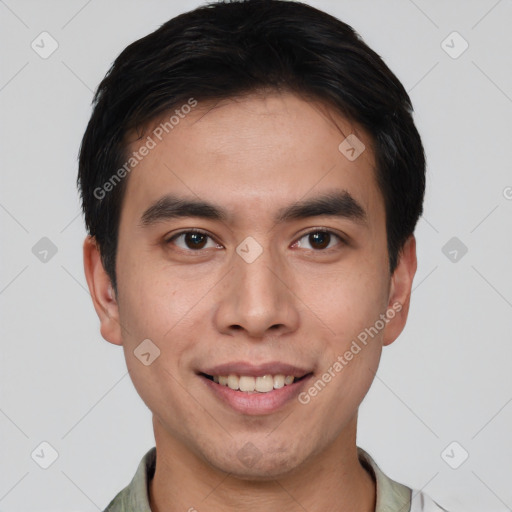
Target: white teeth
{"x": 288, "y": 380}
{"x": 263, "y": 384}
{"x": 278, "y": 381}
{"x": 247, "y": 383}
{"x": 233, "y": 382}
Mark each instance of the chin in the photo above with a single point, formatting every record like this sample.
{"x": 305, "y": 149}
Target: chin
{"x": 248, "y": 465}
{"x": 262, "y": 473}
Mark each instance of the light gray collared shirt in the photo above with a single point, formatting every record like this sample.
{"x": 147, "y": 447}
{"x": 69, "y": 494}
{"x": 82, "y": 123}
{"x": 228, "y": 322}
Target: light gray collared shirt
{"x": 391, "y": 496}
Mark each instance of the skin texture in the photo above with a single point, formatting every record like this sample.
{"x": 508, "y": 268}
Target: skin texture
{"x": 295, "y": 303}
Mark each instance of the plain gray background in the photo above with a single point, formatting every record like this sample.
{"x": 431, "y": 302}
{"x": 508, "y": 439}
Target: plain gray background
{"x": 446, "y": 379}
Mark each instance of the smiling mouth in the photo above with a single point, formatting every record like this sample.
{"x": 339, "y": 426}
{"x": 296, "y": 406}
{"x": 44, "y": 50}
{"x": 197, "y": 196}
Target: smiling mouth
{"x": 250, "y": 384}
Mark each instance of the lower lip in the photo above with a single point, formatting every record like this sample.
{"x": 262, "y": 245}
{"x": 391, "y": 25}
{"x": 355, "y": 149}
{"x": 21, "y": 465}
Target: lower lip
{"x": 256, "y": 403}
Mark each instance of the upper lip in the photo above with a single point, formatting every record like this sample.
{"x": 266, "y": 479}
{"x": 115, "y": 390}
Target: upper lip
{"x": 244, "y": 368}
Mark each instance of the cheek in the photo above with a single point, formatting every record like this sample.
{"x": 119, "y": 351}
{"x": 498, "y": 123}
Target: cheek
{"x": 157, "y": 302}
{"x": 161, "y": 321}
{"x": 344, "y": 301}
{"x": 349, "y": 304}
{"x": 161, "y": 307}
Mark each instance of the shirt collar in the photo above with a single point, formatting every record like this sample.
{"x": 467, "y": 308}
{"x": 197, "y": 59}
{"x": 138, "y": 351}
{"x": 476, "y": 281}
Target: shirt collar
{"x": 391, "y": 496}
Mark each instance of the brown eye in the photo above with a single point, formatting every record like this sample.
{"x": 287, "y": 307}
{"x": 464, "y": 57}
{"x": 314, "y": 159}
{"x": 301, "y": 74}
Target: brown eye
{"x": 193, "y": 240}
{"x": 318, "y": 239}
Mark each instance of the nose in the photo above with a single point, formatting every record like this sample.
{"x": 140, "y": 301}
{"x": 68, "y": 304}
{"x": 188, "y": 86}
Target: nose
{"x": 258, "y": 298}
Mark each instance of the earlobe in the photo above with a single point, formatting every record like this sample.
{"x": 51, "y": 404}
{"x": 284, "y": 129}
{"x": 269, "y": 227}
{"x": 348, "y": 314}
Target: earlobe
{"x": 400, "y": 291}
{"x": 100, "y": 288}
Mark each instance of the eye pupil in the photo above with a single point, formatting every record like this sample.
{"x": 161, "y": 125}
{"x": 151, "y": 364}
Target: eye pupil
{"x": 196, "y": 239}
{"x": 319, "y": 238}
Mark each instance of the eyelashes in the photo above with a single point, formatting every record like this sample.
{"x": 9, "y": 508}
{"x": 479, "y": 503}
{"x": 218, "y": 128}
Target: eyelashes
{"x": 322, "y": 232}
{"x": 197, "y": 232}
{"x": 199, "y": 236}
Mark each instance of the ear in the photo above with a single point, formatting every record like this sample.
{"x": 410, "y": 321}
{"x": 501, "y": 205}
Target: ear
{"x": 101, "y": 291}
{"x": 400, "y": 291}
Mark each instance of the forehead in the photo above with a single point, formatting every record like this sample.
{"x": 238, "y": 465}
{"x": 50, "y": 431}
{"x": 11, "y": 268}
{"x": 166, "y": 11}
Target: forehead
{"x": 257, "y": 149}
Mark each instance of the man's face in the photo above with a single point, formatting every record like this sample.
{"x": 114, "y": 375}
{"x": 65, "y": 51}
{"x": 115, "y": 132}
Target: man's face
{"x": 253, "y": 290}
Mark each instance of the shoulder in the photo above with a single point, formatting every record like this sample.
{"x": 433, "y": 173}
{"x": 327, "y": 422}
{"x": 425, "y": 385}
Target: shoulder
{"x": 392, "y": 495}
{"x": 135, "y": 496}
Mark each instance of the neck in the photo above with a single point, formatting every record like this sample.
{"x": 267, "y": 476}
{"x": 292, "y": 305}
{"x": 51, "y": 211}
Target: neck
{"x": 331, "y": 481}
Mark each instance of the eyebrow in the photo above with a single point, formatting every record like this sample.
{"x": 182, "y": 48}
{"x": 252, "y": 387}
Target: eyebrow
{"x": 337, "y": 204}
